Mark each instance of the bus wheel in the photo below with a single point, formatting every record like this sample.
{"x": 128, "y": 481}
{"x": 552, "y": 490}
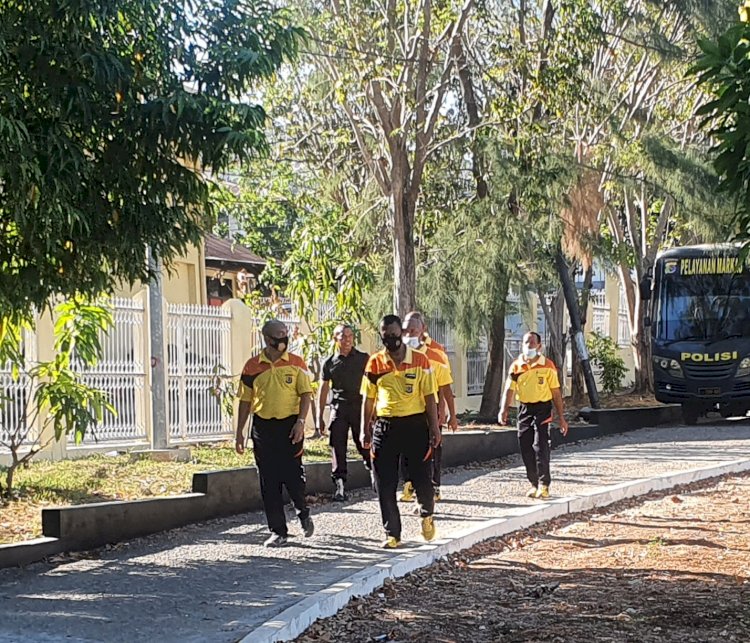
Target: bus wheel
{"x": 690, "y": 414}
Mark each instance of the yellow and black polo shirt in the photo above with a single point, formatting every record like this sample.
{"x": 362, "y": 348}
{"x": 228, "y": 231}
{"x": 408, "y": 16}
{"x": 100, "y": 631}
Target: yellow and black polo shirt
{"x": 533, "y": 381}
{"x": 439, "y": 364}
{"x": 398, "y": 391}
{"x": 431, "y": 343}
{"x": 274, "y": 388}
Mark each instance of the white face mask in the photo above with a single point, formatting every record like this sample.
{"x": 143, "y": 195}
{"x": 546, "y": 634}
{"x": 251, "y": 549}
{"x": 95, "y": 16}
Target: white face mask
{"x": 412, "y": 342}
{"x": 530, "y": 353}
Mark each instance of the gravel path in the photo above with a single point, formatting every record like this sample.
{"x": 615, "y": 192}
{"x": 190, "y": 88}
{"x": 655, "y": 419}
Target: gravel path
{"x": 213, "y": 582}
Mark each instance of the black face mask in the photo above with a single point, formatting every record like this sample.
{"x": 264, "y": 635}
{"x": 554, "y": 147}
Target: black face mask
{"x": 392, "y": 342}
{"x": 278, "y": 341}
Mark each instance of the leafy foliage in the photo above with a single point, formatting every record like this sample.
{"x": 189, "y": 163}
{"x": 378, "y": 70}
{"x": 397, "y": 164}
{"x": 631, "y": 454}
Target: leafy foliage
{"x": 55, "y": 400}
{"x": 724, "y": 68}
{"x": 108, "y": 111}
{"x": 605, "y": 354}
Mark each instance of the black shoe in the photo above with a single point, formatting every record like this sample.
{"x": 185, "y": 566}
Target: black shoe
{"x": 307, "y": 526}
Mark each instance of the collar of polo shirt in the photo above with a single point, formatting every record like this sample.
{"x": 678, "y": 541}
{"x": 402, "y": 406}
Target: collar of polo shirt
{"x": 541, "y": 361}
{"x": 264, "y": 357}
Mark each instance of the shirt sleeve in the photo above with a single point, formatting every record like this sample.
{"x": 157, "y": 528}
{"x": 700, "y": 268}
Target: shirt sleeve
{"x": 443, "y": 375}
{"x": 552, "y": 379}
{"x": 368, "y": 388}
{"x": 325, "y": 375}
{"x": 429, "y": 386}
{"x": 304, "y": 383}
{"x": 245, "y": 389}
{"x": 244, "y": 392}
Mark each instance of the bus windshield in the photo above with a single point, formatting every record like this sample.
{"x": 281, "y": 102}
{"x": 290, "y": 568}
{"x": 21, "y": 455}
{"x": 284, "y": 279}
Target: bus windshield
{"x": 703, "y": 307}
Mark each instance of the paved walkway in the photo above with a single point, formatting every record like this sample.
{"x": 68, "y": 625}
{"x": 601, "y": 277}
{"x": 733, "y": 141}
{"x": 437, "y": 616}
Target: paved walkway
{"x": 214, "y": 582}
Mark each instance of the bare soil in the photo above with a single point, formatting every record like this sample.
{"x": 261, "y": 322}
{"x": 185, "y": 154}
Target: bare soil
{"x": 674, "y": 567}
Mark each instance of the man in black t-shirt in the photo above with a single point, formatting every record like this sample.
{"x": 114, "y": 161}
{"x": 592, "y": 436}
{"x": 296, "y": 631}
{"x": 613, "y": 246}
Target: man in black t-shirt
{"x": 342, "y": 374}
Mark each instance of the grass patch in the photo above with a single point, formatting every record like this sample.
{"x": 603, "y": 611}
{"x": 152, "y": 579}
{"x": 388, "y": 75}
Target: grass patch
{"x": 99, "y": 478}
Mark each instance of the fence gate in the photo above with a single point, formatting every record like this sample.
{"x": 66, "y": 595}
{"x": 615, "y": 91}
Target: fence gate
{"x": 14, "y": 395}
{"x": 198, "y": 347}
{"x": 120, "y": 374}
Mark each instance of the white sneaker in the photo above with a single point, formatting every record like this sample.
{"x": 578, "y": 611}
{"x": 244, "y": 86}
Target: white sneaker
{"x": 339, "y": 495}
{"x": 275, "y": 540}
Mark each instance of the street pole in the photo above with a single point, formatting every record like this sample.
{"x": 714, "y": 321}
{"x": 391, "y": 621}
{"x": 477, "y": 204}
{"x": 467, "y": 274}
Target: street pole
{"x": 159, "y": 434}
{"x": 571, "y": 300}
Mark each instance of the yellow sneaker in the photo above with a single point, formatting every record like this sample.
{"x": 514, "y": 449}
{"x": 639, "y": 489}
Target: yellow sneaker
{"x": 428, "y": 528}
{"x": 391, "y": 542}
{"x": 543, "y": 491}
{"x": 531, "y": 493}
{"x": 407, "y": 495}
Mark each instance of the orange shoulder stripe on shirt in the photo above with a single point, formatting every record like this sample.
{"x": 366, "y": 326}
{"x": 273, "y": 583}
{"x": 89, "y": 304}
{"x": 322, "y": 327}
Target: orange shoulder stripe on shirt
{"x": 254, "y": 366}
{"x": 296, "y": 360}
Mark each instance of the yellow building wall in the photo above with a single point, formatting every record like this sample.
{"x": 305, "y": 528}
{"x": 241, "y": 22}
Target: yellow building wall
{"x": 184, "y": 280}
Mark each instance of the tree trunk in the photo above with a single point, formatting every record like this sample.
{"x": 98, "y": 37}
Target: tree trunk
{"x": 571, "y": 300}
{"x": 578, "y": 387}
{"x": 643, "y": 375}
{"x": 556, "y": 345}
{"x": 404, "y": 261}
{"x": 493, "y": 379}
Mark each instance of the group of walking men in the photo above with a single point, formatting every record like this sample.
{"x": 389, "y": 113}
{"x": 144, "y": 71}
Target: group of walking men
{"x": 394, "y": 404}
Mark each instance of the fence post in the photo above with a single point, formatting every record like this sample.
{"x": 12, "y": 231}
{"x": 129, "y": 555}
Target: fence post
{"x": 45, "y": 352}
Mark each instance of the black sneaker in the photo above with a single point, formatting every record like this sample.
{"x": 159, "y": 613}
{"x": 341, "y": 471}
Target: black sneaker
{"x": 307, "y": 526}
{"x": 275, "y": 540}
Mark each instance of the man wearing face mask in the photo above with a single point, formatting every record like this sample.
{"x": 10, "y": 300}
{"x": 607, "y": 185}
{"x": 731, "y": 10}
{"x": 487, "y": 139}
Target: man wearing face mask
{"x": 342, "y": 373}
{"x": 399, "y": 418}
{"x": 276, "y": 390}
{"x": 534, "y": 382}
{"x": 414, "y": 333}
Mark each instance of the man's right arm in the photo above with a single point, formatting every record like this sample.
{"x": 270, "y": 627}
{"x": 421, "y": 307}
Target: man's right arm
{"x": 243, "y": 413}
{"x": 320, "y": 427}
{"x": 506, "y": 403}
{"x": 365, "y": 432}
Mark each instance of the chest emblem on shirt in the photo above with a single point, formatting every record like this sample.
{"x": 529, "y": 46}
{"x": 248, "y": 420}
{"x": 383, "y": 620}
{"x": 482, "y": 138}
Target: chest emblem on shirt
{"x": 540, "y": 380}
{"x": 289, "y": 379}
{"x": 409, "y": 388}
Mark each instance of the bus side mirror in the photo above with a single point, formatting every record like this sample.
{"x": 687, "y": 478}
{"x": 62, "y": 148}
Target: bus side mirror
{"x": 645, "y": 288}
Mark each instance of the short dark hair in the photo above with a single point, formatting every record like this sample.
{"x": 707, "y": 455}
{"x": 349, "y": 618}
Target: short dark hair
{"x": 387, "y": 320}
{"x": 537, "y": 335}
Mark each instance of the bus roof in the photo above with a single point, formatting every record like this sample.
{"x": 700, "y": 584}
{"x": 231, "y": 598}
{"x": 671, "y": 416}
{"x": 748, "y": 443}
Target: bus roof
{"x": 704, "y": 250}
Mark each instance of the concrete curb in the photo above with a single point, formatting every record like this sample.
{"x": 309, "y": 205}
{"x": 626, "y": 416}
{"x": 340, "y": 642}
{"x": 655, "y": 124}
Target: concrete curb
{"x": 295, "y": 620}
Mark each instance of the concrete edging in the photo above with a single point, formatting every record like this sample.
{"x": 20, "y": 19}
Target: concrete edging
{"x": 296, "y": 619}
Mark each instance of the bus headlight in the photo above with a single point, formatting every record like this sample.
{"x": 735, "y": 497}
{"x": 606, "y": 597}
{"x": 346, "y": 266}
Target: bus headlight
{"x": 671, "y": 366}
{"x": 744, "y": 367}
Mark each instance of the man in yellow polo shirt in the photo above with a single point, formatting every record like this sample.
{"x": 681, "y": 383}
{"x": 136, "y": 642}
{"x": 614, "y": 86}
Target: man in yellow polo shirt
{"x": 275, "y": 389}
{"x": 533, "y": 380}
{"x": 415, "y": 333}
{"x": 399, "y": 418}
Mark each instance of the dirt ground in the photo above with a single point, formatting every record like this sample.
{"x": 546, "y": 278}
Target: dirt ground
{"x": 674, "y": 567}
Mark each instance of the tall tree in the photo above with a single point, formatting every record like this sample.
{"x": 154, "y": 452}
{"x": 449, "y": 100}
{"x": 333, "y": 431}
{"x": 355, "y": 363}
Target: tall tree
{"x": 391, "y": 65}
{"x": 110, "y": 114}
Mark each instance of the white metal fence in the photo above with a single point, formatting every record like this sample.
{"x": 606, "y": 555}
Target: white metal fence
{"x": 14, "y": 394}
{"x": 198, "y": 349}
{"x": 120, "y": 373}
{"x": 476, "y": 363}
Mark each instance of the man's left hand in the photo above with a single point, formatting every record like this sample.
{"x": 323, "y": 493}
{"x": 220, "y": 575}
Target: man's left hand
{"x": 563, "y": 426}
{"x": 453, "y": 424}
{"x": 298, "y": 432}
{"x": 435, "y": 437}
